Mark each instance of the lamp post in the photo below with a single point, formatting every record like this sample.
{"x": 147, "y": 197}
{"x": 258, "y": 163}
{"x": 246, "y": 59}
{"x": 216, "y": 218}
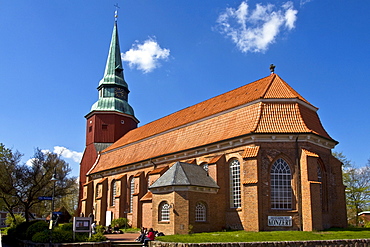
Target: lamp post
{"x": 53, "y": 179}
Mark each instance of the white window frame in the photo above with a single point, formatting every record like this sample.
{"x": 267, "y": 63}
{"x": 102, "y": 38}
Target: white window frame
{"x": 281, "y": 185}
{"x": 200, "y": 212}
{"x": 164, "y": 211}
{"x": 235, "y": 187}
{"x": 132, "y": 191}
{"x": 114, "y": 192}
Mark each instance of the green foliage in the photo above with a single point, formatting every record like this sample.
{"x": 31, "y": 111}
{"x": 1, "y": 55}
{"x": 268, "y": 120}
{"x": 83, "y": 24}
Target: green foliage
{"x": 21, "y": 229}
{"x": 22, "y": 184}
{"x": 99, "y": 237}
{"x": 39, "y": 226}
{"x": 131, "y": 230}
{"x": 41, "y": 237}
{"x": 342, "y": 158}
{"x": 66, "y": 227}
{"x": 60, "y": 236}
{"x": 243, "y": 236}
{"x": 121, "y": 222}
{"x": 190, "y": 229}
{"x": 4, "y": 230}
{"x": 367, "y": 224}
{"x": 57, "y": 236}
{"x": 100, "y": 229}
{"x": 357, "y": 182}
{"x": 9, "y": 221}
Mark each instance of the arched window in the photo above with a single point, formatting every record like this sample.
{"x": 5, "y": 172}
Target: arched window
{"x": 200, "y": 212}
{"x": 164, "y": 211}
{"x": 132, "y": 191}
{"x": 113, "y": 193}
{"x": 235, "y": 193}
{"x": 281, "y": 186}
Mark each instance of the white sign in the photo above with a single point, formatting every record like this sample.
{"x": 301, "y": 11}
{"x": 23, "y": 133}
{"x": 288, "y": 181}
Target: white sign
{"x": 279, "y": 220}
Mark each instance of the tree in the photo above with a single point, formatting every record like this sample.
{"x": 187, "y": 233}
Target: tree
{"x": 23, "y": 184}
{"x": 357, "y": 182}
{"x": 8, "y": 161}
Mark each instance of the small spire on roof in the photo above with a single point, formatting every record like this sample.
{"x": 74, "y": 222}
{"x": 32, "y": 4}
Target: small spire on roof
{"x": 272, "y": 68}
{"x": 116, "y": 12}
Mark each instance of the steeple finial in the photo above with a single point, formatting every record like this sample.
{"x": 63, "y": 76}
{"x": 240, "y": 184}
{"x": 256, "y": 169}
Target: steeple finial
{"x": 272, "y": 68}
{"x": 116, "y": 12}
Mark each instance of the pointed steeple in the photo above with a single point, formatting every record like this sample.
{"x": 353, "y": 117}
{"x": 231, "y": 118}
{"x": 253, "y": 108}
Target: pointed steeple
{"x": 113, "y": 73}
{"x": 113, "y": 89}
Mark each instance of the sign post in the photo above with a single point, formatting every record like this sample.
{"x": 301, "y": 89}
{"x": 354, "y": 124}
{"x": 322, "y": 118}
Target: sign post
{"x": 81, "y": 224}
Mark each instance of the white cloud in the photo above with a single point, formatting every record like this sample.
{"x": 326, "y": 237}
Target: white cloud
{"x": 255, "y": 30}
{"x": 145, "y": 56}
{"x": 63, "y": 152}
{"x": 303, "y": 2}
{"x": 30, "y": 161}
{"x": 68, "y": 154}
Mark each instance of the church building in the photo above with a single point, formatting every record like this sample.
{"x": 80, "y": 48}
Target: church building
{"x": 255, "y": 158}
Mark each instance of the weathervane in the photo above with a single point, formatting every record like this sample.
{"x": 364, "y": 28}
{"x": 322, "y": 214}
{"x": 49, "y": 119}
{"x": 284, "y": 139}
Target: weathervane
{"x": 116, "y": 12}
{"x": 272, "y": 68}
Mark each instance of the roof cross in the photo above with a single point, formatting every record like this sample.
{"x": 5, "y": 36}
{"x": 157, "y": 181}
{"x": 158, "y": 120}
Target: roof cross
{"x": 272, "y": 68}
{"x": 116, "y": 12}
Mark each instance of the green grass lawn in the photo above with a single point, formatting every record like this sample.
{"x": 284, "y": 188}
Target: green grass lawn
{"x": 243, "y": 236}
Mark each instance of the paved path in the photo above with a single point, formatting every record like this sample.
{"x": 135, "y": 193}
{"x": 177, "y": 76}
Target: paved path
{"x": 124, "y": 237}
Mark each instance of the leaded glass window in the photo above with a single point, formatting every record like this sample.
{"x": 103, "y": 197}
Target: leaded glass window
{"x": 235, "y": 190}
{"x": 164, "y": 212}
{"x": 114, "y": 192}
{"x": 200, "y": 212}
{"x": 132, "y": 191}
{"x": 281, "y": 187}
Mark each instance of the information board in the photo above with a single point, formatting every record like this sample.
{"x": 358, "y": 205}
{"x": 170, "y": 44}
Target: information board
{"x": 82, "y": 224}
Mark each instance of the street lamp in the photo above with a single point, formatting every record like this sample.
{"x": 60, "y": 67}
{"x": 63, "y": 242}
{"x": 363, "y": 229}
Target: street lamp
{"x": 53, "y": 179}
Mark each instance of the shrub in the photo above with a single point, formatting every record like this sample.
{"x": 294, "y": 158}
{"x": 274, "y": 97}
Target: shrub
{"x": 99, "y": 237}
{"x": 66, "y": 227}
{"x": 21, "y": 229}
{"x": 13, "y": 223}
{"x": 41, "y": 237}
{"x": 121, "y": 222}
{"x": 38, "y": 226}
{"x": 100, "y": 229}
{"x": 58, "y": 236}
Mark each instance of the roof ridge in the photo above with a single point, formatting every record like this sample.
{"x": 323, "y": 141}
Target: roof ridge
{"x": 269, "y": 85}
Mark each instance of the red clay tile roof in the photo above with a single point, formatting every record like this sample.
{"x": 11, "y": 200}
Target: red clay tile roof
{"x": 215, "y": 159}
{"x": 204, "y": 123}
{"x": 147, "y": 197}
{"x": 309, "y": 153}
{"x": 102, "y": 180}
{"x": 251, "y": 152}
{"x": 250, "y": 182}
{"x": 158, "y": 170}
{"x": 263, "y": 88}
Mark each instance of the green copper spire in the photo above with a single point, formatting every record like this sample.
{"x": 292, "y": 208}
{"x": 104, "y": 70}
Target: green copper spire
{"x": 113, "y": 89}
{"x": 113, "y": 69}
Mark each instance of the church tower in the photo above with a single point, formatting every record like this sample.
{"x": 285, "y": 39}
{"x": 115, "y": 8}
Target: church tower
{"x": 111, "y": 116}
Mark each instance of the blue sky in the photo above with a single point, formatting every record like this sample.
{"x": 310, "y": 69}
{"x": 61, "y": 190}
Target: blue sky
{"x": 53, "y": 55}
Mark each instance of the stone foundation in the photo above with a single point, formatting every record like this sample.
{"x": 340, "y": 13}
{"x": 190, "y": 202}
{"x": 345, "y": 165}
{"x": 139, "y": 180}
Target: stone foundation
{"x": 317, "y": 243}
